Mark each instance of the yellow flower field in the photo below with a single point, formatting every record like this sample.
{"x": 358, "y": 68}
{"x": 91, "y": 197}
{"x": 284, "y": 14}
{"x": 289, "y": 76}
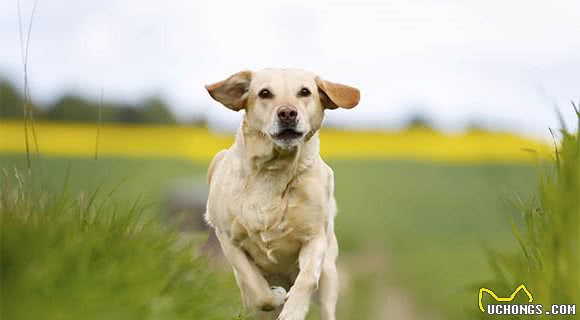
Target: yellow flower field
{"x": 75, "y": 139}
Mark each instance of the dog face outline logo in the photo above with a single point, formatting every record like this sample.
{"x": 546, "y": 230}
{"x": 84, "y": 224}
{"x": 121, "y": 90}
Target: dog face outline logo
{"x": 507, "y": 299}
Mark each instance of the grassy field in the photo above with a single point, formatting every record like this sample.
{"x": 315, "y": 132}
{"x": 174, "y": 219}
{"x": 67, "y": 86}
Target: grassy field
{"x": 406, "y": 228}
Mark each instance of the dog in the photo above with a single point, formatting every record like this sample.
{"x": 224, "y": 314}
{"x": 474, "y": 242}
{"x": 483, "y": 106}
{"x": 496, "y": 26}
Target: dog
{"x": 271, "y": 196}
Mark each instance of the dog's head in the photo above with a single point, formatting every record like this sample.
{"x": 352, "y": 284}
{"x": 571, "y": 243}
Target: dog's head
{"x": 285, "y": 105}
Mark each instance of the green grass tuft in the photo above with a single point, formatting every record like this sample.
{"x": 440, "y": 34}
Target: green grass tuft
{"x": 547, "y": 231}
{"x": 90, "y": 257}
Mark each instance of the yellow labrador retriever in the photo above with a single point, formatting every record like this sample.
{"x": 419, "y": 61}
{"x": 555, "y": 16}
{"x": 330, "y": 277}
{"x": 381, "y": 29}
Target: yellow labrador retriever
{"x": 271, "y": 197}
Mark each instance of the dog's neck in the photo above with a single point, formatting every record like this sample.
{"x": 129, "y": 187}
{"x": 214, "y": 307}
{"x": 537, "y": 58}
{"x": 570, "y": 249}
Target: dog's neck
{"x": 260, "y": 155}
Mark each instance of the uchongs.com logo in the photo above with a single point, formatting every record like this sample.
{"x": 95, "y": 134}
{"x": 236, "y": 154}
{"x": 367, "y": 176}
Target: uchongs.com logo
{"x": 521, "y": 308}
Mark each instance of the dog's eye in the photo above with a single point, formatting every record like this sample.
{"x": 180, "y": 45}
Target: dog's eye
{"x": 265, "y": 94}
{"x": 304, "y": 92}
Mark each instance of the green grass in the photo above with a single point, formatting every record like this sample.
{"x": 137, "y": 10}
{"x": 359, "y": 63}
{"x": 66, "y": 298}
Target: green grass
{"x": 411, "y": 225}
{"x": 63, "y": 256}
{"x": 547, "y": 231}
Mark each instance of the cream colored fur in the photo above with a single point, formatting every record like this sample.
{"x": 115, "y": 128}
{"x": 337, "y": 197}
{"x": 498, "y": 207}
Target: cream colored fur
{"x": 271, "y": 201}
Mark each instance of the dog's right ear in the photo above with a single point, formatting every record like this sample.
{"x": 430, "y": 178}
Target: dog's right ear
{"x": 232, "y": 92}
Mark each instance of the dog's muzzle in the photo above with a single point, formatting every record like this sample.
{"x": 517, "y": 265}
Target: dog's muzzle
{"x": 287, "y": 124}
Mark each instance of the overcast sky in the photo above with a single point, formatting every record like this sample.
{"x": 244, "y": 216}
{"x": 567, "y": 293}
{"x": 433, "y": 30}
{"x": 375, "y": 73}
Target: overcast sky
{"x": 501, "y": 63}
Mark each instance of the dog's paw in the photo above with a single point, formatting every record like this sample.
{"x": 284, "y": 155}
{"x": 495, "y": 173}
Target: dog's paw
{"x": 279, "y": 295}
{"x": 273, "y": 300}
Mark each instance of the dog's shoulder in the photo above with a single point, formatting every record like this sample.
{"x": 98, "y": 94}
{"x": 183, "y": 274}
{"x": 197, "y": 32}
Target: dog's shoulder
{"x": 315, "y": 184}
{"x": 219, "y": 173}
{"x": 328, "y": 170}
{"x": 328, "y": 176}
{"x": 215, "y": 162}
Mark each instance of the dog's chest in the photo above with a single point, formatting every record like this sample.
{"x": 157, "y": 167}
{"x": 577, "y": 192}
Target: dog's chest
{"x": 271, "y": 221}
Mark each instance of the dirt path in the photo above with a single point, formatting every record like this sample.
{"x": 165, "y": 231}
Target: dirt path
{"x": 386, "y": 299}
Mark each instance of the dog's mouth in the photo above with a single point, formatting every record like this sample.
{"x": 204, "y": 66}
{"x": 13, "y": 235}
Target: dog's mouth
{"x": 288, "y": 134}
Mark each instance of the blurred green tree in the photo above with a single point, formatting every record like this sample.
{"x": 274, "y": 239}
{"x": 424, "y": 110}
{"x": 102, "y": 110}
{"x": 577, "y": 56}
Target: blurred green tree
{"x": 11, "y": 102}
{"x": 156, "y": 111}
{"x": 419, "y": 121}
{"x": 74, "y": 107}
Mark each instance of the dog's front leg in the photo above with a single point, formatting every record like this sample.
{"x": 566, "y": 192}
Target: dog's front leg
{"x": 310, "y": 262}
{"x": 328, "y": 289}
{"x": 255, "y": 290}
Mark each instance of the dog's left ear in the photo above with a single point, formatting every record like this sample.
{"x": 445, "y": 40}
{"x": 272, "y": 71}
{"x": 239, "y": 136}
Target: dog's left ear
{"x": 334, "y": 95}
{"x": 232, "y": 92}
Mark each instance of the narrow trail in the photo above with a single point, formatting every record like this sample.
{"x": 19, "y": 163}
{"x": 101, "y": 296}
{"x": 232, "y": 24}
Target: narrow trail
{"x": 387, "y": 299}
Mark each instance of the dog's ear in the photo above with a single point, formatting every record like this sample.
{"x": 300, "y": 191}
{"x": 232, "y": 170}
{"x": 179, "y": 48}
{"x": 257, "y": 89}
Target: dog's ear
{"x": 334, "y": 95}
{"x": 232, "y": 92}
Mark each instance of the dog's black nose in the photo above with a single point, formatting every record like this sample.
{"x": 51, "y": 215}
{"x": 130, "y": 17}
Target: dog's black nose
{"x": 287, "y": 114}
